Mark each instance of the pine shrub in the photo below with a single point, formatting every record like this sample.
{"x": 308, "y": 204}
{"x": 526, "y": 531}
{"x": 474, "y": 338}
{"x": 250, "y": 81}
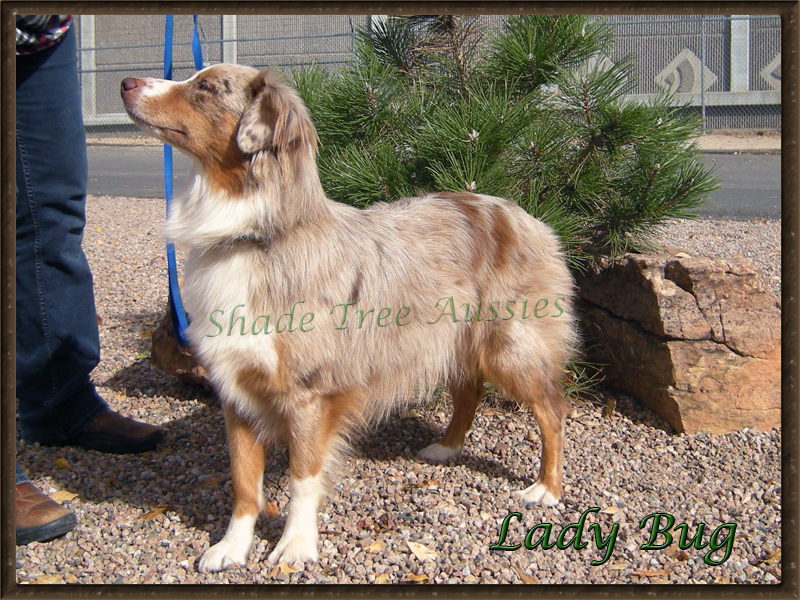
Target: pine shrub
{"x": 530, "y": 111}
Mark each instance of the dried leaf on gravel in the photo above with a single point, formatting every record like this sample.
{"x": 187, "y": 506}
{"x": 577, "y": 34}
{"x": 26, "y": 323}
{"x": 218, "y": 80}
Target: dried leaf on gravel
{"x": 382, "y": 579}
{"x": 63, "y": 496}
{"x": 213, "y": 481}
{"x": 608, "y": 409}
{"x": 422, "y": 484}
{"x": 611, "y": 510}
{"x": 617, "y": 566}
{"x": 525, "y": 578}
{"x": 272, "y": 509}
{"x": 48, "y": 579}
{"x": 374, "y": 547}
{"x": 142, "y": 356}
{"x": 774, "y": 557}
{"x": 491, "y": 412}
{"x": 421, "y": 551}
{"x": 287, "y": 569}
{"x": 159, "y": 510}
{"x": 411, "y": 414}
{"x": 62, "y": 463}
{"x": 651, "y": 573}
{"x": 414, "y": 578}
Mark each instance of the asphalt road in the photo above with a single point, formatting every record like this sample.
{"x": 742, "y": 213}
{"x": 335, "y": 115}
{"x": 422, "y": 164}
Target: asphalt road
{"x": 751, "y": 183}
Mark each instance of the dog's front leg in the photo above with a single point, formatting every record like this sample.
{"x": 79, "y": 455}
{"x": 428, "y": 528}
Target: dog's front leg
{"x": 247, "y": 454}
{"x": 311, "y": 434}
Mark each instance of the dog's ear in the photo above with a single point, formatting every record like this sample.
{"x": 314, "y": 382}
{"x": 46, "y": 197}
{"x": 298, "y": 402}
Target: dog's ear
{"x": 275, "y": 119}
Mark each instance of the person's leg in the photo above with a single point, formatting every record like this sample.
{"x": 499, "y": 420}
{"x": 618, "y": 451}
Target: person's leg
{"x": 57, "y": 337}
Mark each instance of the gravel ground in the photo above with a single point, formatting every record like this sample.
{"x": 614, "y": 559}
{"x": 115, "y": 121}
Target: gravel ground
{"x": 148, "y": 518}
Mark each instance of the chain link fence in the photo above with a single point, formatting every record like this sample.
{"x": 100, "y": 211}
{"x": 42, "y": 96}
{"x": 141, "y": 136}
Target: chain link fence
{"x": 726, "y": 68}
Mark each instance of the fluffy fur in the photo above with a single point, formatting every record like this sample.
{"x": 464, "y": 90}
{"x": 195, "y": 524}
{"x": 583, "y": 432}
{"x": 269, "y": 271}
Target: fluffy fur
{"x": 264, "y": 238}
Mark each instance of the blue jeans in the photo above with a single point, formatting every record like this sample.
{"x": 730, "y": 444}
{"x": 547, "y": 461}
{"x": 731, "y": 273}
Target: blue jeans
{"x": 57, "y": 338}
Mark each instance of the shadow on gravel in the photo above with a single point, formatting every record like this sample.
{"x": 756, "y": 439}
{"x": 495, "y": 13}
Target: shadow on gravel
{"x": 188, "y": 477}
{"x": 634, "y": 411}
{"x": 128, "y": 381}
{"x": 403, "y": 436}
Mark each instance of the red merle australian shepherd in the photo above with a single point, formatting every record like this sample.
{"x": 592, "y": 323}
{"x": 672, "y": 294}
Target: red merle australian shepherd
{"x": 312, "y": 317}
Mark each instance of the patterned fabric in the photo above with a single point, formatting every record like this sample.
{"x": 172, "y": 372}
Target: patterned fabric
{"x": 37, "y": 32}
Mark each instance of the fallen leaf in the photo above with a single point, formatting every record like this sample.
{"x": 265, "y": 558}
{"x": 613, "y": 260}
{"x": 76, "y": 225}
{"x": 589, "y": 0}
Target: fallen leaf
{"x": 681, "y": 555}
{"x": 62, "y": 463}
{"x": 48, "y": 579}
{"x": 608, "y": 409}
{"x": 683, "y": 255}
{"x": 417, "y": 578}
{"x": 491, "y": 412}
{"x": 272, "y": 509}
{"x": 63, "y": 496}
{"x": 617, "y": 566}
{"x": 382, "y": 579}
{"x": 611, "y": 510}
{"x": 375, "y": 547}
{"x": 159, "y": 510}
{"x": 525, "y": 578}
{"x": 142, "y": 356}
{"x": 422, "y": 484}
{"x": 213, "y": 480}
{"x": 421, "y": 551}
{"x": 287, "y": 569}
{"x": 774, "y": 557}
{"x": 651, "y": 573}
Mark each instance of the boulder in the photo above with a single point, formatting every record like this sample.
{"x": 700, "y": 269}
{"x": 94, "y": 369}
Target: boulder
{"x": 697, "y": 340}
{"x": 168, "y": 356}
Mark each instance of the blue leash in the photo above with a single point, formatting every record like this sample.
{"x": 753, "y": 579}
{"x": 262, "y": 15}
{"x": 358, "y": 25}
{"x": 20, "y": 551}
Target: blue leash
{"x": 180, "y": 321}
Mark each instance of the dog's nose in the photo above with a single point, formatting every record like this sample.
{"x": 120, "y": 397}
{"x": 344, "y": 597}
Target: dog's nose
{"x": 129, "y": 83}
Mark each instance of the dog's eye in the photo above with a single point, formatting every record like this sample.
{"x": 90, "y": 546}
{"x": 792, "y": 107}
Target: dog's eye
{"x": 204, "y": 85}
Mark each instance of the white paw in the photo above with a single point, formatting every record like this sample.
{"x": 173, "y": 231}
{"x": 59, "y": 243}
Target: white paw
{"x": 537, "y": 494}
{"x": 298, "y": 548}
{"x": 232, "y": 549}
{"x": 221, "y": 556}
{"x": 436, "y": 453}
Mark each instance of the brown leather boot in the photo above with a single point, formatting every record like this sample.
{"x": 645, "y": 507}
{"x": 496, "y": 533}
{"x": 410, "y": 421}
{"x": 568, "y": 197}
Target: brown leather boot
{"x": 40, "y": 518}
{"x": 113, "y": 433}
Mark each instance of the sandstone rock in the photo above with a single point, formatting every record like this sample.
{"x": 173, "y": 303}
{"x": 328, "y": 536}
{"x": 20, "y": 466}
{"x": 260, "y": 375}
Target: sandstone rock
{"x": 697, "y": 340}
{"x": 168, "y": 356}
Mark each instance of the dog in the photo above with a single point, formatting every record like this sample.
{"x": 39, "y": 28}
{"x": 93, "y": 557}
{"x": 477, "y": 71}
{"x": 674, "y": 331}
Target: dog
{"x": 312, "y": 317}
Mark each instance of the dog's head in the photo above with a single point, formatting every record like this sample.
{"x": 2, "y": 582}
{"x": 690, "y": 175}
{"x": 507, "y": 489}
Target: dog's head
{"x": 224, "y": 114}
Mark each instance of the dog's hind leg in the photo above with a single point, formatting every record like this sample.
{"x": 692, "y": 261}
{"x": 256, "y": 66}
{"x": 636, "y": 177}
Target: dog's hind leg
{"x": 247, "y": 455}
{"x": 313, "y": 431}
{"x": 466, "y": 396}
{"x": 550, "y": 411}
